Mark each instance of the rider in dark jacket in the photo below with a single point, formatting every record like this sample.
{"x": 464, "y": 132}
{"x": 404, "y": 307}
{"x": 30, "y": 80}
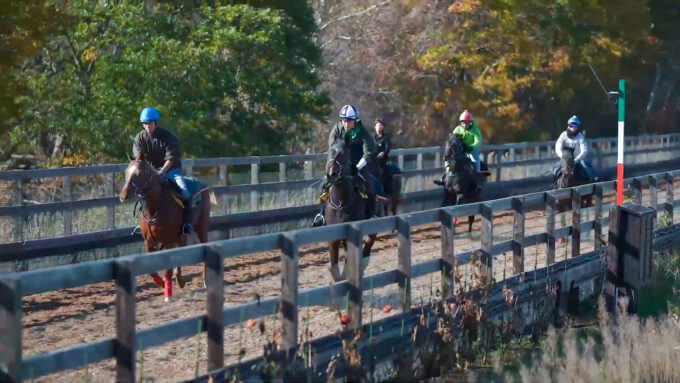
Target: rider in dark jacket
{"x": 361, "y": 151}
{"x": 383, "y": 147}
{"x": 161, "y": 147}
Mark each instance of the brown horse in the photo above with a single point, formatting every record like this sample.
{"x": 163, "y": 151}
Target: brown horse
{"x": 344, "y": 204}
{"x": 160, "y": 219}
{"x": 391, "y": 180}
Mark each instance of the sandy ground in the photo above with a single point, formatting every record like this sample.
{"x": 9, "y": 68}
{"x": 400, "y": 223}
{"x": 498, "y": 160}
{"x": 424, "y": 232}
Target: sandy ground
{"x": 63, "y": 318}
{"x": 68, "y": 317}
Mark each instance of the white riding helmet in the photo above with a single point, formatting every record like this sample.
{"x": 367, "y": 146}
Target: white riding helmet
{"x": 348, "y": 112}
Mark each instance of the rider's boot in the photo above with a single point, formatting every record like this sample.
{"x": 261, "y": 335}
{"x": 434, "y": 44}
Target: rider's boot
{"x": 187, "y": 227}
{"x": 440, "y": 181}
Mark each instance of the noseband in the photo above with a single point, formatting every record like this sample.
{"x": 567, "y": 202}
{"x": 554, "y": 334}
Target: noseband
{"x": 142, "y": 192}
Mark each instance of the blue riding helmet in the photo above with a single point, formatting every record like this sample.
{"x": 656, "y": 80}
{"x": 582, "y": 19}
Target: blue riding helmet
{"x": 574, "y": 121}
{"x": 149, "y": 114}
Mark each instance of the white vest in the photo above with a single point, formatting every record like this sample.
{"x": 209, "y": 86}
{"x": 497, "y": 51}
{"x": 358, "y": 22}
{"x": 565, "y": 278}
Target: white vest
{"x": 578, "y": 143}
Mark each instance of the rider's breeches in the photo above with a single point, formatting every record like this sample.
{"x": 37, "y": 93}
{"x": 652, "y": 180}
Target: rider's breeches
{"x": 175, "y": 175}
{"x": 474, "y": 157}
{"x": 588, "y": 170}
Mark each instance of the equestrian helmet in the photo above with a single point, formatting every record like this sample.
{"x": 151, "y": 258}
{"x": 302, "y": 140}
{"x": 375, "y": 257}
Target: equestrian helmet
{"x": 149, "y": 114}
{"x": 348, "y": 112}
{"x": 574, "y": 121}
{"x": 465, "y": 116}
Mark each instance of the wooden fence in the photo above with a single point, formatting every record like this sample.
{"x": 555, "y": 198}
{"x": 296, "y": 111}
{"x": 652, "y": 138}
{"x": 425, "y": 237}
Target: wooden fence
{"x": 499, "y": 157}
{"x": 577, "y": 268}
{"x": 426, "y": 199}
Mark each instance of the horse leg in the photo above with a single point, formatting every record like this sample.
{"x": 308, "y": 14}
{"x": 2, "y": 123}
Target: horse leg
{"x": 333, "y": 250}
{"x": 168, "y": 284}
{"x": 471, "y": 219}
{"x": 180, "y": 281}
{"x": 154, "y": 276}
{"x": 367, "y": 252}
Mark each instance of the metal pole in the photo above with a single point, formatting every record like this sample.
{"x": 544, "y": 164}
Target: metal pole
{"x": 619, "y": 164}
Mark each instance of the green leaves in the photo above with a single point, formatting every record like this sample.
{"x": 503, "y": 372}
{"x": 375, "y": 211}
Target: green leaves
{"x": 229, "y": 79}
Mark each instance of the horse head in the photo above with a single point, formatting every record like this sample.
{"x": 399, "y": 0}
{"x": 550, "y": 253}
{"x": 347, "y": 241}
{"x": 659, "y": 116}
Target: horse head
{"x": 337, "y": 165}
{"x": 140, "y": 179}
{"x": 567, "y": 162}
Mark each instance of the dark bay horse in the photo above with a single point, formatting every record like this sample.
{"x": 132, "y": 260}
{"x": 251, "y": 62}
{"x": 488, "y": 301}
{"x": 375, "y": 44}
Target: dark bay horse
{"x": 460, "y": 186}
{"x": 160, "y": 219}
{"x": 569, "y": 177}
{"x": 391, "y": 180}
{"x": 344, "y": 204}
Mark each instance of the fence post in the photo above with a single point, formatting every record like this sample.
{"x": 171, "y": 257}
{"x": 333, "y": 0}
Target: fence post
{"x": 354, "y": 263}
{"x": 637, "y": 190}
{"x": 499, "y": 164}
{"x": 575, "y": 222}
{"x": 10, "y": 329}
{"x": 668, "y": 207}
{"x": 124, "y": 348}
{"x": 111, "y": 192}
{"x": 400, "y": 162}
{"x": 597, "y": 225}
{"x": 18, "y": 200}
{"x": 437, "y": 159}
{"x": 67, "y": 196}
{"x": 448, "y": 260}
{"x": 188, "y": 167}
{"x": 487, "y": 237}
{"x": 629, "y": 264}
{"x": 653, "y": 197}
{"x": 283, "y": 194}
{"x": 224, "y": 181}
{"x": 309, "y": 175}
{"x": 289, "y": 293}
{"x": 214, "y": 279}
{"x": 550, "y": 209}
{"x": 404, "y": 266}
{"x": 511, "y": 155}
{"x": 419, "y": 167}
{"x": 254, "y": 180}
{"x": 518, "y": 236}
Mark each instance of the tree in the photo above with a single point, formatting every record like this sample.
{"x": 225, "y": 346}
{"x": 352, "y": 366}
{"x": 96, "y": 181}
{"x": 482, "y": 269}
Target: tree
{"x": 229, "y": 79}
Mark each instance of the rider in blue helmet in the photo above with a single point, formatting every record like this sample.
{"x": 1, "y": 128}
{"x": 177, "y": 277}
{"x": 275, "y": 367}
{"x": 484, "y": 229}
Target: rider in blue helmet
{"x": 161, "y": 148}
{"x": 573, "y": 138}
{"x": 362, "y": 149}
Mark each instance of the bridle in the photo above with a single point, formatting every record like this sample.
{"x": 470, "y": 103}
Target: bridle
{"x": 335, "y": 179}
{"x": 142, "y": 192}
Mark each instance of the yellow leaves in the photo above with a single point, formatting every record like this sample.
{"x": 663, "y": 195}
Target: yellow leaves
{"x": 463, "y": 6}
{"x": 511, "y": 111}
{"x": 559, "y": 60}
{"x": 439, "y": 106}
{"x": 89, "y": 54}
{"x": 609, "y": 45}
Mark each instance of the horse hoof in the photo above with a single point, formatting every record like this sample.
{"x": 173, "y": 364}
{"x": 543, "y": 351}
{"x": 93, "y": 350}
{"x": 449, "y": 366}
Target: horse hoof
{"x": 180, "y": 282}
{"x": 167, "y": 299}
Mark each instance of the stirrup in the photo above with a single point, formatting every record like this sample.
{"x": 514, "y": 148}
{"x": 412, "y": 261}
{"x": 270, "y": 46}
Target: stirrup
{"x": 318, "y": 220}
{"x": 187, "y": 229}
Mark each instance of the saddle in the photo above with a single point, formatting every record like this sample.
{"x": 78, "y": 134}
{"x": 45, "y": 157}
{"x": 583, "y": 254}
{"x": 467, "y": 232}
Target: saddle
{"x": 195, "y": 187}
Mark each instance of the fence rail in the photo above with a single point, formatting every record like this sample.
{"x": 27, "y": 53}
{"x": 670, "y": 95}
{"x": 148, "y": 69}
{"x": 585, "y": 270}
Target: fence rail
{"x": 26, "y": 250}
{"x": 123, "y": 271}
{"x": 499, "y": 157}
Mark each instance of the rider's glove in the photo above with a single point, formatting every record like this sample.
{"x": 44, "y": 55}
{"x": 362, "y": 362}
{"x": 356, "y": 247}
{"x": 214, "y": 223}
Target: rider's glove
{"x": 447, "y": 166}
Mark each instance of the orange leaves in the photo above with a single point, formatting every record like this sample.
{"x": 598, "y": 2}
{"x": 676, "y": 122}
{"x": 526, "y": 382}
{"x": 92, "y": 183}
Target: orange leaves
{"x": 463, "y": 6}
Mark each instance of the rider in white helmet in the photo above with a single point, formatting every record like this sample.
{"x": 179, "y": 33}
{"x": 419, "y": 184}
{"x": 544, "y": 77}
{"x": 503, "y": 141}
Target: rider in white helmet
{"x": 573, "y": 138}
{"x": 362, "y": 149}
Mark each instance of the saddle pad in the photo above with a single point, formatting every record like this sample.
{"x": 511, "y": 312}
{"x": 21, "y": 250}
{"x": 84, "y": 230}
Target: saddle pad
{"x": 194, "y": 186}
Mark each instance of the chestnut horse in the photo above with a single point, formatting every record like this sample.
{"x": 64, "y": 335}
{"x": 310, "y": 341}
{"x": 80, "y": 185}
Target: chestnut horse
{"x": 160, "y": 219}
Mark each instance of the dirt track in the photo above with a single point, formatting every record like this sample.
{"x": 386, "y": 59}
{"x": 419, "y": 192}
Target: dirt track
{"x": 67, "y": 317}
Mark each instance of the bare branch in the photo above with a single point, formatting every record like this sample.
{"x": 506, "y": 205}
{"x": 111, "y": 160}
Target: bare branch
{"x": 369, "y": 9}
